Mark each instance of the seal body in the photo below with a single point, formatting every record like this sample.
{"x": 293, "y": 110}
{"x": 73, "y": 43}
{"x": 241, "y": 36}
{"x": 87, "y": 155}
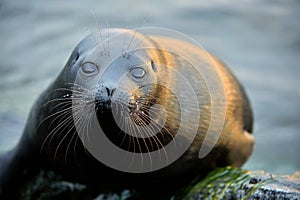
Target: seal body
{"x": 143, "y": 91}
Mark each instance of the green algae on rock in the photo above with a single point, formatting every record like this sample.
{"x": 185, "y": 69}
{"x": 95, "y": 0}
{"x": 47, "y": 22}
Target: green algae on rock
{"x": 232, "y": 183}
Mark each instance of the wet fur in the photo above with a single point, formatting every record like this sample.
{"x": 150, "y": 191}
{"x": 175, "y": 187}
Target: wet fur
{"x": 50, "y": 139}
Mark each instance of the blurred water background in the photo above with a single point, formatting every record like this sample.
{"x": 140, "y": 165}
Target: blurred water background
{"x": 259, "y": 40}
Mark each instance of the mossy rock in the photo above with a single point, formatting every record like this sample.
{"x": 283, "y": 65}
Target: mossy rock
{"x": 232, "y": 183}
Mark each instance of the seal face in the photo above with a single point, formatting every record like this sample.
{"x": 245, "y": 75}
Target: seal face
{"x": 125, "y": 102}
{"x": 136, "y": 101}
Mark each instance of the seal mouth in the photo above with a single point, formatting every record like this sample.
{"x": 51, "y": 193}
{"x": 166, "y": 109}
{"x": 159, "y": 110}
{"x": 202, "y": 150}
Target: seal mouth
{"x": 135, "y": 109}
{"x": 132, "y": 120}
{"x": 137, "y": 113}
{"x": 103, "y": 106}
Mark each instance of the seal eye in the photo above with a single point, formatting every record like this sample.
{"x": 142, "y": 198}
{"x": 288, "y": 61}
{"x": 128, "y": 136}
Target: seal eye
{"x": 138, "y": 72}
{"x": 89, "y": 69}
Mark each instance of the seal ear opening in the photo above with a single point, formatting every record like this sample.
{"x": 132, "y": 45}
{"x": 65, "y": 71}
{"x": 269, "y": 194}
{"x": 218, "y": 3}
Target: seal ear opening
{"x": 153, "y": 66}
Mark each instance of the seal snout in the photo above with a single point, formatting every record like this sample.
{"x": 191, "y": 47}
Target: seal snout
{"x": 103, "y": 99}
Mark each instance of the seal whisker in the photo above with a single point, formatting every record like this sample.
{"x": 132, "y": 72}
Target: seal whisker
{"x": 81, "y": 122}
{"x": 146, "y": 145}
{"x": 76, "y": 121}
{"x": 135, "y": 32}
{"x": 123, "y": 46}
{"x": 64, "y": 124}
{"x": 68, "y": 96}
{"x": 88, "y": 125}
{"x": 79, "y": 128}
{"x": 67, "y": 125}
{"x": 157, "y": 141}
{"x": 141, "y": 132}
{"x": 128, "y": 127}
{"x": 131, "y": 40}
{"x": 72, "y": 90}
{"x": 60, "y": 113}
{"x": 134, "y": 138}
{"x": 62, "y": 140}
{"x": 123, "y": 127}
{"x": 66, "y": 102}
{"x": 48, "y": 137}
{"x": 70, "y": 131}
{"x": 62, "y": 105}
{"x": 151, "y": 133}
{"x": 78, "y": 87}
{"x": 140, "y": 147}
{"x": 131, "y": 131}
{"x": 162, "y": 117}
{"x": 153, "y": 128}
{"x": 56, "y": 114}
{"x": 131, "y": 141}
{"x": 81, "y": 111}
{"x": 158, "y": 144}
{"x": 55, "y": 100}
{"x": 136, "y": 47}
{"x": 75, "y": 88}
{"x": 99, "y": 31}
{"x": 135, "y": 142}
{"x": 69, "y": 144}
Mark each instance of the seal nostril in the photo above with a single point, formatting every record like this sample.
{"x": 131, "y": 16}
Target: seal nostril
{"x": 112, "y": 92}
{"x": 108, "y": 91}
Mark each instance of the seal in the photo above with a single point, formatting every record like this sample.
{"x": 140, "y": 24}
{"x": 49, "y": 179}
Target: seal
{"x": 154, "y": 97}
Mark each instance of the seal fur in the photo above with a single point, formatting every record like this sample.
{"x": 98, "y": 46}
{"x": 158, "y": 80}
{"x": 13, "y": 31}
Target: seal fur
{"x": 49, "y": 139}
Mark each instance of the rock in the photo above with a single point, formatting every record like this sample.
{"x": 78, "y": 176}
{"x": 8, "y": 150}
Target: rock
{"x": 231, "y": 183}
